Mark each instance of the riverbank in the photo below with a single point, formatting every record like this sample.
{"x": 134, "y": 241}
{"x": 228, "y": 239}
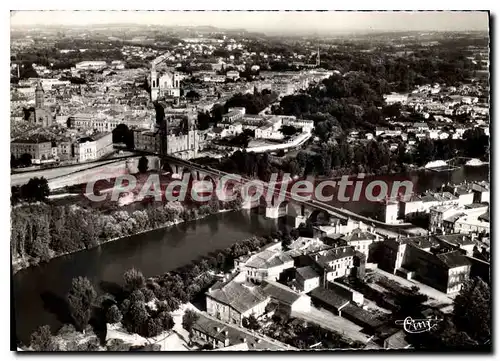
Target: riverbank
{"x": 185, "y": 214}
{"x": 40, "y": 293}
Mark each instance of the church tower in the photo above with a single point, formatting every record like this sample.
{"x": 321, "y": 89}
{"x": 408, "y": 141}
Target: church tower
{"x": 39, "y": 94}
{"x": 155, "y": 87}
{"x": 318, "y": 62}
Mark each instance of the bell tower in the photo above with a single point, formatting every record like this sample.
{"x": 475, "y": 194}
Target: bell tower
{"x": 155, "y": 87}
{"x": 39, "y": 95}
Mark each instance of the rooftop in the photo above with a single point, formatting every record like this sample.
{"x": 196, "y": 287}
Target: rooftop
{"x": 453, "y": 259}
{"x": 268, "y": 259}
{"x": 241, "y": 297}
{"x": 476, "y": 205}
{"x": 397, "y": 341}
{"x": 419, "y": 242}
{"x": 330, "y": 297}
{"x": 307, "y": 272}
{"x": 359, "y": 235}
{"x": 236, "y": 335}
{"x": 280, "y": 292}
{"x": 334, "y": 254}
{"x": 457, "y": 239}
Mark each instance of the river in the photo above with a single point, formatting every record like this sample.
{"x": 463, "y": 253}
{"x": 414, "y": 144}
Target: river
{"x": 40, "y": 292}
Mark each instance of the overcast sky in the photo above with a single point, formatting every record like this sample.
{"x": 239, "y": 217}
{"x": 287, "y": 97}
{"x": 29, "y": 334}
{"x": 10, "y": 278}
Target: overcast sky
{"x": 321, "y": 22}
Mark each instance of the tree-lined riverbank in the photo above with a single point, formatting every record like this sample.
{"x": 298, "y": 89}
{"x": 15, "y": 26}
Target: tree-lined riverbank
{"x": 43, "y": 231}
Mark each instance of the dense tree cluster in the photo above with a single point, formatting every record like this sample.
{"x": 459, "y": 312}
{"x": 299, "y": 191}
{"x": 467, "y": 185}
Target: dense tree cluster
{"x": 42, "y": 340}
{"x": 142, "y": 318}
{"x": 249, "y": 164}
{"x": 253, "y": 103}
{"x": 122, "y": 134}
{"x": 139, "y": 314}
{"x": 24, "y": 160}
{"x": 348, "y": 101}
{"x": 36, "y": 190}
{"x": 95, "y": 49}
{"x": 375, "y": 157}
{"x": 467, "y": 328}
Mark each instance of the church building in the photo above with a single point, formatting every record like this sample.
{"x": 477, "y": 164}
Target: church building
{"x": 39, "y": 115}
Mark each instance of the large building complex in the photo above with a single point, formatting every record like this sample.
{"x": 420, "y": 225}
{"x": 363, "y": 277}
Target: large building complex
{"x": 164, "y": 81}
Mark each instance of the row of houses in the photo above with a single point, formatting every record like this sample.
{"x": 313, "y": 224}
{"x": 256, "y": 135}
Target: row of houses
{"x": 459, "y": 197}
{"x": 82, "y": 149}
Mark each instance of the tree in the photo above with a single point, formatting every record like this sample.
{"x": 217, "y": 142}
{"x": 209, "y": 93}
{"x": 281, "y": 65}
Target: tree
{"x": 148, "y": 294}
{"x": 137, "y": 296}
{"x": 189, "y": 319}
{"x": 116, "y": 344}
{"x": 192, "y": 95}
{"x": 143, "y": 164}
{"x": 136, "y": 318}
{"x": 134, "y": 280}
{"x": 166, "y": 320}
{"x": 42, "y": 340}
{"x": 251, "y": 323}
{"x": 472, "y": 310}
{"x": 36, "y": 190}
{"x": 13, "y": 161}
{"x": 286, "y": 242}
{"x": 153, "y": 327}
{"x": 122, "y": 134}
{"x": 203, "y": 121}
{"x": 89, "y": 345}
{"x": 113, "y": 315}
{"x": 81, "y": 299}
{"x": 288, "y": 130}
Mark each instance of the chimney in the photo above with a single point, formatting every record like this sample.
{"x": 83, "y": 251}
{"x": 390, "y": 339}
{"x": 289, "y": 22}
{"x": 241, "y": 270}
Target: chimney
{"x": 244, "y": 339}
{"x": 217, "y": 328}
{"x": 226, "y": 333}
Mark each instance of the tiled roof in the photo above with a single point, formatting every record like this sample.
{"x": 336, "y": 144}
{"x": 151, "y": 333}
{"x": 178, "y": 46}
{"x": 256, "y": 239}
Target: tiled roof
{"x": 280, "y": 292}
{"x": 453, "y": 259}
{"x": 484, "y": 217}
{"x": 336, "y": 253}
{"x": 419, "y": 242}
{"x": 397, "y": 341}
{"x": 458, "y": 239}
{"x": 239, "y": 296}
{"x": 219, "y": 330}
{"x": 359, "y": 235}
{"x": 307, "y": 272}
{"x": 268, "y": 259}
{"x": 329, "y": 297}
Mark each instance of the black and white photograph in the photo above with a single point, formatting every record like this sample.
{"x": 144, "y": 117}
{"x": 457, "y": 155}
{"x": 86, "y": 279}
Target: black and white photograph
{"x": 250, "y": 181}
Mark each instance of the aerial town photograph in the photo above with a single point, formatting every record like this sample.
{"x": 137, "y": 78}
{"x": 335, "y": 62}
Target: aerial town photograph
{"x": 250, "y": 181}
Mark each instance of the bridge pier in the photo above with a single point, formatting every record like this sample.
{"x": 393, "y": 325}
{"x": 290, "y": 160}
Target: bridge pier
{"x": 299, "y": 220}
{"x": 275, "y": 212}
